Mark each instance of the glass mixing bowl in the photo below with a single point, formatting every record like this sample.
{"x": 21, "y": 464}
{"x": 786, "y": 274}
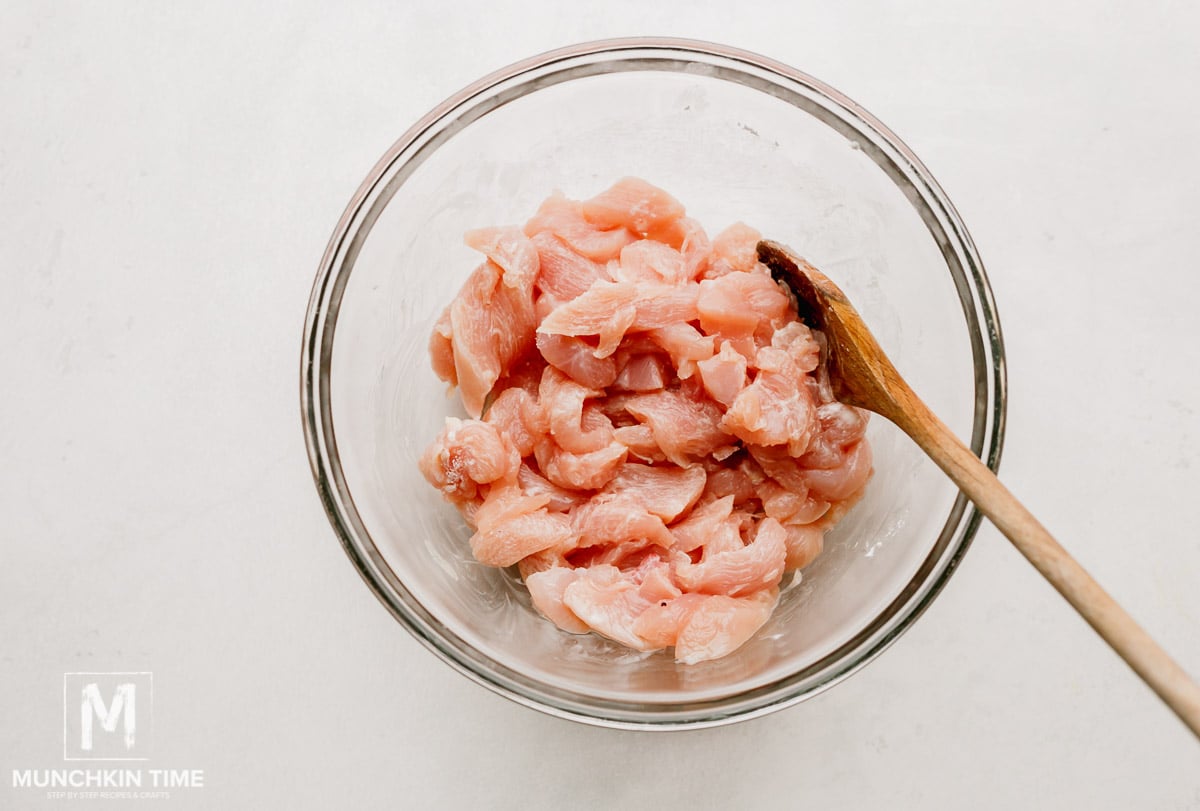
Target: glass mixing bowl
{"x": 734, "y": 136}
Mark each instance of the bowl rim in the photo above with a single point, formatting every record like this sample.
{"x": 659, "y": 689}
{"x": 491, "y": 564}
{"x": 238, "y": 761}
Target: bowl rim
{"x": 988, "y": 356}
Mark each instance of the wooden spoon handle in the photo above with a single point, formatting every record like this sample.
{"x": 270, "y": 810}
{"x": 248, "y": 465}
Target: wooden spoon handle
{"x": 1102, "y": 612}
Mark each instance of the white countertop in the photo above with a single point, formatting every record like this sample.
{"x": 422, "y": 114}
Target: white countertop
{"x": 168, "y": 179}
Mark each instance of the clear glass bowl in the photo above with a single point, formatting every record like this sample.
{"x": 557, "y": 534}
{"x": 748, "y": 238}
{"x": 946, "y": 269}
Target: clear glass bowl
{"x": 734, "y": 136}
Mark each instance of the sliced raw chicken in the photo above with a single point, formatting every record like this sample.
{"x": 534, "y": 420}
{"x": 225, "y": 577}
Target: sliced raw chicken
{"x": 667, "y": 491}
{"x": 735, "y": 572}
{"x": 609, "y": 602}
{"x": 554, "y": 557}
{"x": 843, "y": 481}
{"x": 639, "y": 439}
{"x": 563, "y": 273}
{"x": 655, "y": 579}
{"x": 441, "y": 349}
{"x": 776, "y": 409}
{"x": 625, "y": 555}
{"x": 560, "y": 499}
{"x": 685, "y": 346}
{"x": 659, "y": 624}
{"x": 723, "y": 375}
{"x": 491, "y": 325}
{"x": 564, "y": 219}
{"x": 516, "y": 414}
{"x": 606, "y": 309}
{"x": 838, "y": 427}
{"x": 562, "y": 400}
{"x": 511, "y": 526}
{"x": 642, "y": 373}
{"x": 702, "y": 524}
{"x": 577, "y": 359}
{"x": 466, "y": 454}
{"x": 788, "y": 506}
{"x": 737, "y": 245}
{"x": 689, "y": 238}
{"x": 720, "y": 625}
{"x": 796, "y": 341}
{"x": 804, "y": 543}
{"x": 650, "y": 261}
{"x": 634, "y": 204}
{"x": 579, "y": 471}
{"x": 546, "y": 589}
{"x": 614, "y": 518}
{"x": 659, "y": 439}
{"x": 737, "y": 303}
{"x": 511, "y": 250}
{"x": 730, "y": 481}
{"x": 776, "y": 463}
{"x": 684, "y": 427}
{"x": 660, "y": 305}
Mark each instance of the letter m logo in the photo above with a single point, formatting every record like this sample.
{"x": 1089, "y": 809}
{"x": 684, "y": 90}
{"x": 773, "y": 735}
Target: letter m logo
{"x": 107, "y": 716}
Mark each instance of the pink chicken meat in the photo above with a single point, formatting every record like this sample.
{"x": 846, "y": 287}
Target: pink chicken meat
{"x": 652, "y": 439}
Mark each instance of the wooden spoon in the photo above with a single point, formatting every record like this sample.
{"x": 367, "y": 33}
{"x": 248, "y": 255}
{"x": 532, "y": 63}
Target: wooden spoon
{"x": 863, "y": 376}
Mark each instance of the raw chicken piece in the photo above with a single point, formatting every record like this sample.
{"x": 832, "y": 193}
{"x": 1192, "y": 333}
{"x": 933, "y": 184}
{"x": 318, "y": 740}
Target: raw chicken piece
{"x": 609, "y": 602}
{"x": 564, "y": 274}
{"x": 625, "y": 555}
{"x": 689, "y": 238}
{"x": 737, "y": 245}
{"x": 655, "y": 579}
{"x": 562, "y": 400}
{"x": 614, "y": 518}
{"x": 788, "y": 506}
{"x": 511, "y": 250}
{"x": 730, "y": 481}
{"x": 804, "y": 543}
{"x": 564, "y": 219}
{"x": 546, "y": 589}
{"x": 659, "y": 624}
{"x": 686, "y": 428}
{"x": 775, "y": 463}
{"x": 737, "y": 303}
{"x": 701, "y": 525}
{"x": 724, "y": 374}
{"x": 466, "y": 454}
{"x": 660, "y": 305}
{"x": 720, "y": 625}
{"x": 665, "y": 490}
{"x": 491, "y": 326}
{"x": 516, "y": 414}
{"x": 577, "y": 359}
{"x": 800, "y": 343}
{"x": 838, "y": 427}
{"x": 560, "y": 499}
{"x": 649, "y": 261}
{"x": 634, "y": 204}
{"x": 511, "y": 526}
{"x": 642, "y": 373}
{"x": 639, "y": 439}
{"x": 736, "y": 572}
{"x": 606, "y": 309}
{"x": 685, "y": 346}
{"x": 579, "y": 471}
{"x": 541, "y": 561}
{"x": 777, "y": 408}
{"x": 842, "y": 482}
{"x": 441, "y": 349}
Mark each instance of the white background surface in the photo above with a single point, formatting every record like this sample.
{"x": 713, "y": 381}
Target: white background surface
{"x": 168, "y": 179}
